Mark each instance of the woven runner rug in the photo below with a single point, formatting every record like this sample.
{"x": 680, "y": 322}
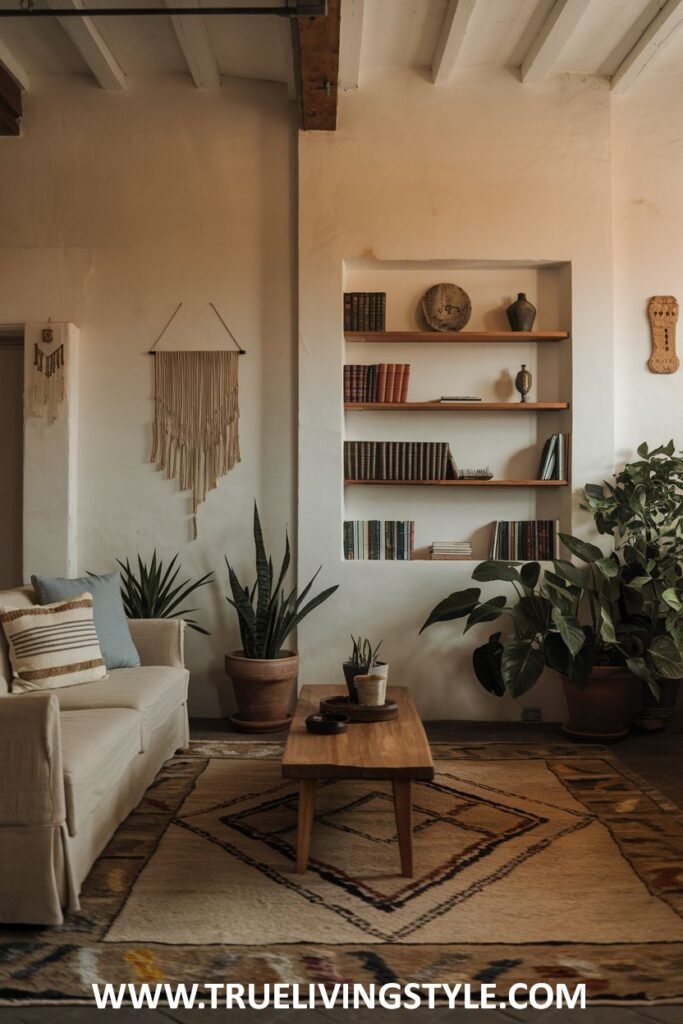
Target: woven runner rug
{"x": 551, "y": 864}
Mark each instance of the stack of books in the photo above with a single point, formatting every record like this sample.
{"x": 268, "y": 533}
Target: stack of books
{"x": 377, "y": 382}
{"x": 365, "y": 311}
{"x": 398, "y": 460}
{"x": 553, "y": 465}
{"x": 535, "y": 539}
{"x": 376, "y": 540}
{"x": 450, "y": 550}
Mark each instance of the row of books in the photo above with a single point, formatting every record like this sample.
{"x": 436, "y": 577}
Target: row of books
{"x": 450, "y": 550}
{"x": 398, "y": 460}
{"x": 375, "y": 539}
{"x": 376, "y": 382}
{"x": 553, "y": 464}
{"x": 365, "y": 311}
{"x": 535, "y": 539}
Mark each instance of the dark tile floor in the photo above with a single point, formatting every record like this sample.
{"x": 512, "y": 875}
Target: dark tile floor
{"x": 658, "y": 758}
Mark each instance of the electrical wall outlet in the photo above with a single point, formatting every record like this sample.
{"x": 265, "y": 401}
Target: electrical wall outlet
{"x": 532, "y": 715}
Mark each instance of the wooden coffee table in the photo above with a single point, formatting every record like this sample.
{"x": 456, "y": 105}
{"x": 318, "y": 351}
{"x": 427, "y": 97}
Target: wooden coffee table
{"x": 397, "y": 751}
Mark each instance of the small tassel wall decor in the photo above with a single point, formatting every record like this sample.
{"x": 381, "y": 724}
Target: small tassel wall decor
{"x": 48, "y": 385}
{"x": 196, "y": 419}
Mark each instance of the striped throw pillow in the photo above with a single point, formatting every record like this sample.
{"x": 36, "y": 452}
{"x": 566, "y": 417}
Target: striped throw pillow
{"x": 53, "y": 645}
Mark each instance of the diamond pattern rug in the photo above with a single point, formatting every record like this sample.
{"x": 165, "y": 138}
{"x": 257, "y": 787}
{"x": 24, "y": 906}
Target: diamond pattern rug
{"x": 532, "y": 864}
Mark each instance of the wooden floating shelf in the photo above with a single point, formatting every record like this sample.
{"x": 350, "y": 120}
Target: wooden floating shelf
{"x": 457, "y": 483}
{"x": 455, "y": 406}
{"x": 457, "y": 337}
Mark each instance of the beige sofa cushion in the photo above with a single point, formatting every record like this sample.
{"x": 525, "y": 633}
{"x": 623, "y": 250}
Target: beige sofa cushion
{"x": 22, "y": 597}
{"x": 97, "y": 748}
{"x": 53, "y": 645}
{"x": 154, "y": 692}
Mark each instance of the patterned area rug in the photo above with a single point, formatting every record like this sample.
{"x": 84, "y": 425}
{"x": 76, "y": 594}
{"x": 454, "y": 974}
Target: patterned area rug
{"x": 532, "y": 864}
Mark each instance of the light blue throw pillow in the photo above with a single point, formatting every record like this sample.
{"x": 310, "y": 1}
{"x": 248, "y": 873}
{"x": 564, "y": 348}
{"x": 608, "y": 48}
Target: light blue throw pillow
{"x": 118, "y": 649}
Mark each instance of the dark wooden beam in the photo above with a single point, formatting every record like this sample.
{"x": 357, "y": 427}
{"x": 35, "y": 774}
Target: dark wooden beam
{"x": 316, "y": 57}
{"x": 10, "y": 104}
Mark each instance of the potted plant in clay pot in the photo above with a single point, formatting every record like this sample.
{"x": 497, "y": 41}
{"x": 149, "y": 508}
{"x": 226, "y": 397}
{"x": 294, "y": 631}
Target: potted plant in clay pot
{"x": 643, "y": 512}
{"x": 362, "y": 662}
{"x": 263, "y": 672}
{"x": 575, "y": 620}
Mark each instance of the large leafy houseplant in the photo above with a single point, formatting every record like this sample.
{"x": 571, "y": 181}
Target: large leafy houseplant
{"x": 153, "y": 593}
{"x": 546, "y": 627}
{"x": 266, "y": 613}
{"x": 643, "y": 512}
{"x": 621, "y": 609}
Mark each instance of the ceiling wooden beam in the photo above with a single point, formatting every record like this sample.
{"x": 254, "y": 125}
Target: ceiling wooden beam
{"x": 13, "y": 68}
{"x": 667, "y": 21}
{"x": 554, "y": 35}
{"x": 455, "y": 22}
{"x": 10, "y": 104}
{"x": 89, "y": 42}
{"x": 316, "y": 56}
{"x": 350, "y": 43}
{"x": 193, "y": 39}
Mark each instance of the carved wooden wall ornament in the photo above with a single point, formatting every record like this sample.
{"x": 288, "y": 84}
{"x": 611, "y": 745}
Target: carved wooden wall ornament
{"x": 663, "y": 313}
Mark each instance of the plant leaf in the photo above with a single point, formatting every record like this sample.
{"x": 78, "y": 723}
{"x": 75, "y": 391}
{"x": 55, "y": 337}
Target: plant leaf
{"x": 671, "y": 598}
{"x": 570, "y": 631}
{"x": 666, "y": 658}
{"x": 529, "y": 574}
{"x": 572, "y": 573}
{"x": 487, "y": 611}
{"x": 487, "y": 572}
{"x": 580, "y": 548}
{"x": 521, "y": 665}
{"x": 486, "y": 661}
{"x": 455, "y": 606}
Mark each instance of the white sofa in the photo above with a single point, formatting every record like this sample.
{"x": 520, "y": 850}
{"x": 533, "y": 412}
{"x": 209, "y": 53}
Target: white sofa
{"x": 75, "y": 761}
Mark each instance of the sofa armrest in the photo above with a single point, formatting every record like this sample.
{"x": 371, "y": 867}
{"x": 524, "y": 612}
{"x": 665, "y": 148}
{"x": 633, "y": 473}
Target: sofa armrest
{"x": 159, "y": 641}
{"x": 31, "y": 779}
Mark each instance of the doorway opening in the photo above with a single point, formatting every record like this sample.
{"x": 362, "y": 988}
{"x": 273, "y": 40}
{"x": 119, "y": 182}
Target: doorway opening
{"x": 11, "y": 456}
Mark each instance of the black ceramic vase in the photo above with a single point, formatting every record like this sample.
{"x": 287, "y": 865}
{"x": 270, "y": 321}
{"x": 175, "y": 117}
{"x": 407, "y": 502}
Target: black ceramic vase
{"x": 521, "y": 314}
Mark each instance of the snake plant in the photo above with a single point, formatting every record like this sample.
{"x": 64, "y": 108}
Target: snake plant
{"x": 153, "y": 593}
{"x": 265, "y": 612}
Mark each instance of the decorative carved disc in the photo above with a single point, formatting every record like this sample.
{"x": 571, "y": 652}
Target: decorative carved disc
{"x": 663, "y": 313}
{"x": 446, "y": 307}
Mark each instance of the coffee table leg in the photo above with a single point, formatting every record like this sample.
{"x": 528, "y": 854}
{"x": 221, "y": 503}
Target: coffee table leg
{"x": 306, "y": 811}
{"x": 403, "y": 806}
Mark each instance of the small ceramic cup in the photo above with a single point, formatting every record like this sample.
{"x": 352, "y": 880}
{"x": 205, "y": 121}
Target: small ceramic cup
{"x": 371, "y": 689}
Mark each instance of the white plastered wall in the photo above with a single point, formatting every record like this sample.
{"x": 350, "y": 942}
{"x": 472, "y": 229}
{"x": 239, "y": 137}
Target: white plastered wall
{"x": 648, "y": 255}
{"x": 483, "y": 169}
{"x": 114, "y": 208}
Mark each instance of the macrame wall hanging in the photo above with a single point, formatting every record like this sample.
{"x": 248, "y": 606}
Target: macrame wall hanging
{"x": 48, "y": 378}
{"x": 196, "y": 416}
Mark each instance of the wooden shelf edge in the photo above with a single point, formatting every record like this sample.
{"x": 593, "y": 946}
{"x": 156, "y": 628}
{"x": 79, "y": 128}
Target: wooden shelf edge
{"x": 456, "y": 483}
{"x": 455, "y": 406}
{"x": 461, "y": 337}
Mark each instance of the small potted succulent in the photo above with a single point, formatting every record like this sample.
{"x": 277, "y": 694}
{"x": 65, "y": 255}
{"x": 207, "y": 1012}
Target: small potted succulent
{"x": 363, "y": 662}
{"x": 263, "y": 672}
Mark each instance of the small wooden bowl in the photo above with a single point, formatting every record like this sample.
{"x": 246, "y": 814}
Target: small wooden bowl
{"x": 327, "y": 725}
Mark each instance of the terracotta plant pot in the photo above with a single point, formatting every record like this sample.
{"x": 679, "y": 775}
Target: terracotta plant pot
{"x": 380, "y": 668}
{"x": 263, "y": 690}
{"x": 605, "y": 708}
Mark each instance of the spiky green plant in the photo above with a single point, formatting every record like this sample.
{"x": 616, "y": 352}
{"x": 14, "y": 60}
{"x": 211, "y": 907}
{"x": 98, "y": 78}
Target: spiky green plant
{"x": 267, "y": 615}
{"x": 363, "y": 655}
{"x": 154, "y": 594}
